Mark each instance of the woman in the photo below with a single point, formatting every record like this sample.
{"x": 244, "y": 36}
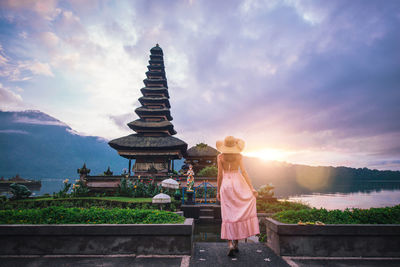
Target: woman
{"x": 236, "y": 194}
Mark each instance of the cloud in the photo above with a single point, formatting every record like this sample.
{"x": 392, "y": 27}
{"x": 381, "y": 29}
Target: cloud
{"x": 37, "y": 68}
{"x": 25, "y": 70}
{"x": 12, "y": 131}
{"x": 319, "y": 79}
{"x": 10, "y": 100}
{"x": 38, "y": 122}
{"x": 122, "y": 120}
{"x": 44, "y": 8}
{"x": 38, "y": 118}
{"x": 16, "y": 70}
{"x": 98, "y": 138}
{"x": 49, "y": 39}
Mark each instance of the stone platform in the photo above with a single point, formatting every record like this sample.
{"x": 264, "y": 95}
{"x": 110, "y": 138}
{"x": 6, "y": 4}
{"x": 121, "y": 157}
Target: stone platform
{"x": 250, "y": 254}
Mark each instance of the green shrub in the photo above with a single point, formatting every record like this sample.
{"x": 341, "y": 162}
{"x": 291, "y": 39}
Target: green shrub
{"x": 138, "y": 188}
{"x": 125, "y": 188}
{"x": 388, "y": 215}
{"x": 86, "y": 202}
{"x": 177, "y": 194}
{"x": 277, "y": 206}
{"x": 80, "y": 189}
{"x": 64, "y": 191}
{"x": 262, "y": 237}
{"x": 92, "y": 215}
{"x": 209, "y": 171}
{"x": 19, "y": 191}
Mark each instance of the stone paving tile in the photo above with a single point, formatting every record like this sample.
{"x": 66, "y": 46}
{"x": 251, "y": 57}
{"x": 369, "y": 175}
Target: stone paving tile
{"x": 250, "y": 254}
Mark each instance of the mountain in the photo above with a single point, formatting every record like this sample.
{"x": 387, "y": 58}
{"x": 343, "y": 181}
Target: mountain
{"x": 36, "y": 145}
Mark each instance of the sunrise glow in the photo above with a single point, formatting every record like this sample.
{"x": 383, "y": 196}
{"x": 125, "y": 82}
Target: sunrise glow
{"x": 268, "y": 154}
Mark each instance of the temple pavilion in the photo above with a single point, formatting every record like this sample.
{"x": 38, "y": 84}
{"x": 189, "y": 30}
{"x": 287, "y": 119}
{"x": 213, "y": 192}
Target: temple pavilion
{"x": 200, "y": 156}
{"x": 153, "y": 146}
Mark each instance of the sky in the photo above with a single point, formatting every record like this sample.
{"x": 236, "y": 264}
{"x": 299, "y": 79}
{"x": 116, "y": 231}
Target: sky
{"x": 308, "y": 82}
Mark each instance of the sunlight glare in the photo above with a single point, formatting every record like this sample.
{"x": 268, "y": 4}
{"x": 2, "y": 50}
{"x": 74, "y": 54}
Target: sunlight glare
{"x": 267, "y": 154}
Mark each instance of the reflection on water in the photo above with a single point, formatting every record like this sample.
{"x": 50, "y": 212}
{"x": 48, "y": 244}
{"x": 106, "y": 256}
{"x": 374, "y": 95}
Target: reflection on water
{"x": 48, "y": 187}
{"x": 285, "y": 190}
{"x": 363, "y": 200}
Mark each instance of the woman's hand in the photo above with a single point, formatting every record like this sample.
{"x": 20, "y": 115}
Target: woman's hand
{"x": 218, "y": 197}
{"x": 255, "y": 193}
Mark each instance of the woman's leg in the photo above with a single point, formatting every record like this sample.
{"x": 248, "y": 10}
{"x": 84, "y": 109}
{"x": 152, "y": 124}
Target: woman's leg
{"x": 231, "y": 248}
{"x": 236, "y": 245}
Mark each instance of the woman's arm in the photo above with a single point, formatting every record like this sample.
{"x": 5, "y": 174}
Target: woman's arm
{"x": 246, "y": 176}
{"x": 219, "y": 177}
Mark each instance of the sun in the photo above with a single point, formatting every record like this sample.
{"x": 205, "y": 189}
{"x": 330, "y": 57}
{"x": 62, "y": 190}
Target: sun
{"x": 267, "y": 154}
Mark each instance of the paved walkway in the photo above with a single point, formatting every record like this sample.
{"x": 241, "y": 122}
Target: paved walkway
{"x": 94, "y": 261}
{"x": 250, "y": 254}
{"x": 204, "y": 254}
{"x": 341, "y": 262}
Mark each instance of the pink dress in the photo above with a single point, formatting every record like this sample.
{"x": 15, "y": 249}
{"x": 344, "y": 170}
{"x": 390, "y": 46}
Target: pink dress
{"x": 238, "y": 207}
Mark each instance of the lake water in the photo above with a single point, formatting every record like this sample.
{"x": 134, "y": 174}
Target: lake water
{"x": 364, "y": 200}
{"x": 341, "y": 197}
{"x": 49, "y": 185}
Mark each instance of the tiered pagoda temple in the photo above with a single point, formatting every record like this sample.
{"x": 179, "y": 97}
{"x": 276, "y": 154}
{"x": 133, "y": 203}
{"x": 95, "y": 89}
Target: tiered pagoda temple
{"x": 152, "y": 146}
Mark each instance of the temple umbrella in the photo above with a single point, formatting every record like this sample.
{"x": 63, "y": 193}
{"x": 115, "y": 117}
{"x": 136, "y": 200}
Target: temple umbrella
{"x": 161, "y": 198}
{"x": 170, "y": 183}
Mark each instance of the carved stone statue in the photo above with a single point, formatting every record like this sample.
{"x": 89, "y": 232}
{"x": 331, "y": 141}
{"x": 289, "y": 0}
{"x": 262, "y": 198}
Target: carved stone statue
{"x": 190, "y": 179}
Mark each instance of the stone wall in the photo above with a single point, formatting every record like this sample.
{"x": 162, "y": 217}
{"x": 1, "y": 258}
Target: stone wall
{"x": 91, "y": 239}
{"x": 334, "y": 240}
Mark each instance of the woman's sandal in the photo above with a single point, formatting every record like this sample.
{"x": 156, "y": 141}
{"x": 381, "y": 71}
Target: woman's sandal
{"x": 231, "y": 250}
{"x": 236, "y": 246}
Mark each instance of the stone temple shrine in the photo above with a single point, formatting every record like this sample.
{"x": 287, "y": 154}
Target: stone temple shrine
{"x": 153, "y": 146}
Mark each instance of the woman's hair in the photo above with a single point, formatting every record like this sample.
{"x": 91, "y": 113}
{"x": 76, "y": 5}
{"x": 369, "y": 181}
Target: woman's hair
{"x": 231, "y": 157}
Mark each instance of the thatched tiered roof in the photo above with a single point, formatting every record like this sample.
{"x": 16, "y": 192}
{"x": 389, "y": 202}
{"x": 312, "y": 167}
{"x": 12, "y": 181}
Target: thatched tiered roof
{"x": 201, "y": 150}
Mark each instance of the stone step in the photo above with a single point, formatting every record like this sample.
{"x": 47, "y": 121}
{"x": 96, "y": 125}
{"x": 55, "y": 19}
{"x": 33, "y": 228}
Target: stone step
{"x": 206, "y": 212}
{"x": 206, "y": 218}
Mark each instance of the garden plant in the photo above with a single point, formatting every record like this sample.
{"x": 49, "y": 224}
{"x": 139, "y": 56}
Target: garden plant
{"x": 387, "y": 215}
{"x": 93, "y": 215}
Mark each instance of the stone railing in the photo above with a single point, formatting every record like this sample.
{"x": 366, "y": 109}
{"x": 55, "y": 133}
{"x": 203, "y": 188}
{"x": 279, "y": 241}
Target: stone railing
{"x": 97, "y": 239}
{"x": 334, "y": 240}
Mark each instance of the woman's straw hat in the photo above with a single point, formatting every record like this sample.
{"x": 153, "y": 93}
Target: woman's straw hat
{"x": 230, "y": 145}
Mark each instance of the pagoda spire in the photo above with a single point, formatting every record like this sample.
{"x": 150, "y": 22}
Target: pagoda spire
{"x": 152, "y": 146}
{"x": 154, "y": 114}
